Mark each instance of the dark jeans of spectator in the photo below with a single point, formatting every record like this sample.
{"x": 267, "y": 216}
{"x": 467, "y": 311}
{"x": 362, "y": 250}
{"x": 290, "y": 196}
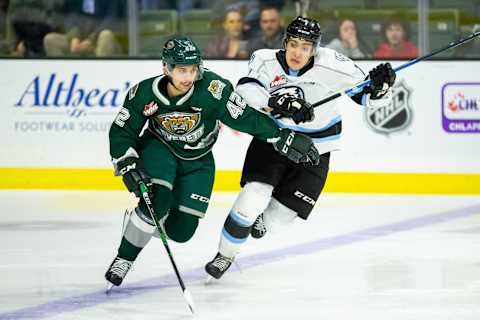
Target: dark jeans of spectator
{"x": 32, "y": 34}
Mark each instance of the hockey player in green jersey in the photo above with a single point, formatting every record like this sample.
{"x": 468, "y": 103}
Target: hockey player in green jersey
{"x": 163, "y": 136}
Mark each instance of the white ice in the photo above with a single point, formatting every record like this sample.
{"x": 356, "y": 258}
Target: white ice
{"x": 358, "y": 257}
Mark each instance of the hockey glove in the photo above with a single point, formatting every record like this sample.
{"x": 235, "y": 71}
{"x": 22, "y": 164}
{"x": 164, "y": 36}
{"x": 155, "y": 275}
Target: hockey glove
{"x": 133, "y": 173}
{"x": 291, "y": 107}
{"x": 383, "y": 77}
{"x": 297, "y": 147}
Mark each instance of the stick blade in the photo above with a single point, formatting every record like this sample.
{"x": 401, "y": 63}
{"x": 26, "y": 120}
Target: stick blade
{"x": 189, "y": 299}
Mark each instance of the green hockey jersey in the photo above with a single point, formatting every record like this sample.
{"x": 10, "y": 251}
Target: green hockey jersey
{"x": 188, "y": 125}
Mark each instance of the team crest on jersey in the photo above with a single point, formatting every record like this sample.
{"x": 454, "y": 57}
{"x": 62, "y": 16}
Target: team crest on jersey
{"x": 180, "y": 126}
{"x": 150, "y": 109}
{"x": 278, "y": 81}
{"x": 132, "y": 92}
{"x": 292, "y": 91}
{"x": 216, "y": 88}
{"x": 396, "y": 116}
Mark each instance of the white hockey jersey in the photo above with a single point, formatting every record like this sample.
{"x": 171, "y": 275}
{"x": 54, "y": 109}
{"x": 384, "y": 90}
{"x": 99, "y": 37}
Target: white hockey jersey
{"x": 329, "y": 72}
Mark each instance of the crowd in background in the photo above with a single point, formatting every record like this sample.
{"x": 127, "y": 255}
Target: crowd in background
{"x": 98, "y": 28}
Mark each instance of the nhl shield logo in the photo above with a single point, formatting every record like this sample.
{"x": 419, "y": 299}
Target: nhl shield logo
{"x": 396, "y": 116}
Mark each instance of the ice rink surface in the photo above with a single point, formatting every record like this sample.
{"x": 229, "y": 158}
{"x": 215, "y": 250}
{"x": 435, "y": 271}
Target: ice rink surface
{"x": 357, "y": 257}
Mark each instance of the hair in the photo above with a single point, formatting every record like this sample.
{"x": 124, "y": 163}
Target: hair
{"x": 342, "y": 21}
{"x": 268, "y": 7}
{"x": 231, "y": 9}
{"x": 396, "y": 21}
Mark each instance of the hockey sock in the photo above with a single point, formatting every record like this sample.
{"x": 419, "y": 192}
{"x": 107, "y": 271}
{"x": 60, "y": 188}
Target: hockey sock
{"x": 251, "y": 201}
{"x": 140, "y": 227}
{"x": 137, "y": 234}
{"x": 278, "y": 216}
{"x": 234, "y": 233}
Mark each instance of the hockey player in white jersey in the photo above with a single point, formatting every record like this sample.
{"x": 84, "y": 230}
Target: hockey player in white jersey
{"x": 285, "y": 83}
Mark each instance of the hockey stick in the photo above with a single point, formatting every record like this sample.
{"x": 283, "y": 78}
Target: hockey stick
{"x": 186, "y": 293}
{"x": 358, "y": 87}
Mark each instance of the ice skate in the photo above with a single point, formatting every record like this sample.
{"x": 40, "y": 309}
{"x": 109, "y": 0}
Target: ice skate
{"x": 117, "y": 272}
{"x": 218, "y": 266}
{"x": 258, "y": 228}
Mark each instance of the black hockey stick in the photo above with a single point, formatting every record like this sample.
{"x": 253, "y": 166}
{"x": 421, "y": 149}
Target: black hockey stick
{"x": 359, "y": 87}
{"x": 146, "y": 197}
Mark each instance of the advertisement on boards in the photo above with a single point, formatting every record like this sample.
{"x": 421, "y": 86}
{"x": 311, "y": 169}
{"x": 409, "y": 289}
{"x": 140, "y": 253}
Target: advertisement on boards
{"x": 57, "y": 113}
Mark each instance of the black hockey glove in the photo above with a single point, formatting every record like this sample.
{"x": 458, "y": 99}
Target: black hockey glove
{"x": 292, "y": 107}
{"x": 383, "y": 77}
{"x": 297, "y": 147}
{"x": 133, "y": 173}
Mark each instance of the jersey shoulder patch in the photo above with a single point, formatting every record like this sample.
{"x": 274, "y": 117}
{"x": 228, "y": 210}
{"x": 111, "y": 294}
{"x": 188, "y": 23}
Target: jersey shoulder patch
{"x": 216, "y": 88}
{"x": 214, "y": 84}
{"x": 133, "y": 91}
{"x": 334, "y": 60}
{"x": 259, "y": 57}
{"x": 142, "y": 88}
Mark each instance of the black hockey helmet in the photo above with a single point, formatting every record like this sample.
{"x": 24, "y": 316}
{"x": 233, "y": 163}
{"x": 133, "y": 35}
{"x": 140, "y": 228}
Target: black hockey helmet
{"x": 305, "y": 29}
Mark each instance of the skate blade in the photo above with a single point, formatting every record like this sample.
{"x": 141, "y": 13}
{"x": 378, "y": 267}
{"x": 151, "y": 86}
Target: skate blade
{"x": 109, "y": 288}
{"x": 235, "y": 263}
{"x": 209, "y": 280}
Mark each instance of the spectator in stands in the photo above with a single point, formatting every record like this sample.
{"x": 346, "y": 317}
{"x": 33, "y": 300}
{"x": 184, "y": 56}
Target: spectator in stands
{"x": 272, "y": 30}
{"x": 91, "y": 29}
{"x": 179, "y": 5}
{"x": 3, "y": 13}
{"x": 31, "y": 21}
{"x": 3, "y": 31}
{"x": 347, "y": 42}
{"x": 396, "y": 44}
{"x": 229, "y": 44}
{"x": 470, "y": 49}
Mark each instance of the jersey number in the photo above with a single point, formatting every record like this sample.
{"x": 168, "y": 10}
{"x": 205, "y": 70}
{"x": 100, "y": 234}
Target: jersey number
{"x": 122, "y": 116}
{"x": 236, "y": 105}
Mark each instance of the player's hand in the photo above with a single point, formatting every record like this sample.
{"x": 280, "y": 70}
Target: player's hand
{"x": 133, "y": 172}
{"x": 297, "y": 147}
{"x": 383, "y": 78}
{"x": 305, "y": 113}
{"x": 291, "y": 107}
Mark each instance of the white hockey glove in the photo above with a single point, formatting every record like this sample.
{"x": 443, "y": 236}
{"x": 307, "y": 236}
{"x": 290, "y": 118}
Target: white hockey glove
{"x": 383, "y": 101}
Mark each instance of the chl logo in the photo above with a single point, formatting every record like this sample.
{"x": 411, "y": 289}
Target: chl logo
{"x": 200, "y": 198}
{"x": 395, "y": 117}
{"x": 304, "y": 197}
{"x": 278, "y": 81}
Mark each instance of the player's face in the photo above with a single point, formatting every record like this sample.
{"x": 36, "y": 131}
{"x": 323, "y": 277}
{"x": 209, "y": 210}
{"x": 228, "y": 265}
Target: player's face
{"x": 298, "y": 53}
{"x": 183, "y": 77}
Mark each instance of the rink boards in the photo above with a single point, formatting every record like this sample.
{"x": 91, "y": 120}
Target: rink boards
{"x": 56, "y": 114}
